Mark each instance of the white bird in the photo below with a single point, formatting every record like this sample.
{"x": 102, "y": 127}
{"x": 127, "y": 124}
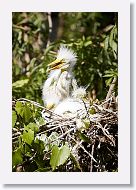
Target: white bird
{"x": 60, "y": 90}
{"x": 73, "y": 105}
{"x": 60, "y": 80}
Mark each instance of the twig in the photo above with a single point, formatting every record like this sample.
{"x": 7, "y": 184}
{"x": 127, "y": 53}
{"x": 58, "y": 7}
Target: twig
{"x": 50, "y": 27}
{"x": 91, "y": 167}
{"x": 111, "y": 90}
{"x": 110, "y": 137}
{"x": 88, "y": 153}
{"x": 48, "y": 130}
{"x": 81, "y": 146}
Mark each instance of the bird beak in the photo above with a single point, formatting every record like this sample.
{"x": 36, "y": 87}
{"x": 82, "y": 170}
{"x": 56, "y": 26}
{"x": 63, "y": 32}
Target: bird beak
{"x": 55, "y": 64}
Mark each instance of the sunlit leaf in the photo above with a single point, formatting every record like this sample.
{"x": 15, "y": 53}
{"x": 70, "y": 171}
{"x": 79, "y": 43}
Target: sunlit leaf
{"x": 87, "y": 43}
{"x": 28, "y": 136}
{"x": 20, "y": 83}
{"x": 27, "y": 113}
{"x": 92, "y": 111}
{"x": 86, "y": 123}
{"x": 106, "y": 43}
{"x": 32, "y": 126}
{"x": 23, "y": 110}
{"x": 19, "y": 108}
{"x": 108, "y": 81}
{"x": 59, "y": 156}
{"x": 17, "y": 157}
{"x": 84, "y": 138}
{"x": 14, "y": 118}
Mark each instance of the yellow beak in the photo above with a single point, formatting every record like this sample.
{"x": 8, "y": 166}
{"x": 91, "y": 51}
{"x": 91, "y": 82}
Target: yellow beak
{"x": 55, "y": 64}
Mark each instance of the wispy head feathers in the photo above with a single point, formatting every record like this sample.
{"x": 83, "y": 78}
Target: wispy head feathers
{"x": 66, "y": 54}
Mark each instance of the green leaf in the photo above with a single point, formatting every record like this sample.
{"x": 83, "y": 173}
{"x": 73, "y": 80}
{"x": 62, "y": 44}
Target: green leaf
{"x": 86, "y": 123}
{"x": 54, "y": 157}
{"x": 23, "y": 111}
{"x": 38, "y": 146}
{"x": 114, "y": 48}
{"x": 92, "y": 111}
{"x": 27, "y": 113}
{"x": 20, "y": 83}
{"x": 109, "y": 75}
{"x": 111, "y": 38}
{"x": 106, "y": 43}
{"x": 19, "y": 108}
{"x": 41, "y": 121}
{"x": 84, "y": 138}
{"x": 75, "y": 160}
{"x": 17, "y": 157}
{"x": 59, "y": 156}
{"x": 52, "y": 140}
{"x": 63, "y": 155}
{"x": 28, "y": 136}
{"x": 108, "y": 81}
{"x": 32, "y": 126}
{"x": 87, "y": 43}
{"x": 14, "y": 118}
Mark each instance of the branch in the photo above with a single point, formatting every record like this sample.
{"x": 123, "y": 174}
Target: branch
{"x": 111, "y": 90}
{"x": 50, "y": 27}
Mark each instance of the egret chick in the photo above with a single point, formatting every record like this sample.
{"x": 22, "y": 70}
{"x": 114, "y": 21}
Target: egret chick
{"x": 70, "y": 107}
{"x": 59, "y": 82}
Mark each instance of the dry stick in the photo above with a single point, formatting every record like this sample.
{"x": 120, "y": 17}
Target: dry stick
{"x": 111, "y": 138}
{"x": 16, "y": 134}
{"x": 86, "y": 109}
{"x": 48, "y": 130}
{"x": 110, "y": 90}
{"x": 100, "y": 108}
{"x": 91, "y": 167}
{"x": 88, "y": 153}
{"x": 84, "y": 150}
{"x": 61, "y": 136}
{"x": 50, "y": 28}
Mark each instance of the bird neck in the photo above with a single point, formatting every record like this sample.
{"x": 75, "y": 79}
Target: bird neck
{"x": 55, "y": 73}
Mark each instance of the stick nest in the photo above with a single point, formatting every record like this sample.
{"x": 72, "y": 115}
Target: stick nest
{"x": 92, "y": 138}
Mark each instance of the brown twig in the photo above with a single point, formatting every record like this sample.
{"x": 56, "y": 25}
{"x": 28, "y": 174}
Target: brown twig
{"x": 111, "y": 90}
{"x": 50, "y": 27}
{"x": 92, "y": 152}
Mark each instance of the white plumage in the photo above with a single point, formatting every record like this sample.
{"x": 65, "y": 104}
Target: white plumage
{"x": 73, "y": 105}
{"x": 57, "y": 87}
{"x": 60, "y": 90}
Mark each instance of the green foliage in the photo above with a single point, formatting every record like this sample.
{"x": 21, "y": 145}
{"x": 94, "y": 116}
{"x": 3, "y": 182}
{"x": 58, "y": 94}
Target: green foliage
{"x": 23, "y": 111}
{"x": 59, "y": 156}
{"x": 84, "y": 137}
{"x": 93, "y": 36}
{"x": 14, "y": 118}
{"x": 32, "y": 126}
{"x": 17, "y": 157}
{"x": 20, "y": 83}
{"x": 28, "y": 136}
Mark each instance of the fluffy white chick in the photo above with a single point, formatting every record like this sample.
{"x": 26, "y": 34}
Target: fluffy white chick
{"x": 71, "y": 107}
{"x": 58, "y": 84}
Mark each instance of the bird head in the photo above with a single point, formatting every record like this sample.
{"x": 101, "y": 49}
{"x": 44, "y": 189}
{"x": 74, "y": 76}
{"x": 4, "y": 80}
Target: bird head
{"x": 79, "y": 93}
{"x": 66, "y": 59}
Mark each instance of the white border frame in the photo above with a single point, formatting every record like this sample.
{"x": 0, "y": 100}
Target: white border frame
{"x": 6, "y": 174}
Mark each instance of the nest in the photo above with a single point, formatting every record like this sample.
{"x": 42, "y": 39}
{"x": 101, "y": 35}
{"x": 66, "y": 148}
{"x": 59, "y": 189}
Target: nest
{"x": 92, "y": 138}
